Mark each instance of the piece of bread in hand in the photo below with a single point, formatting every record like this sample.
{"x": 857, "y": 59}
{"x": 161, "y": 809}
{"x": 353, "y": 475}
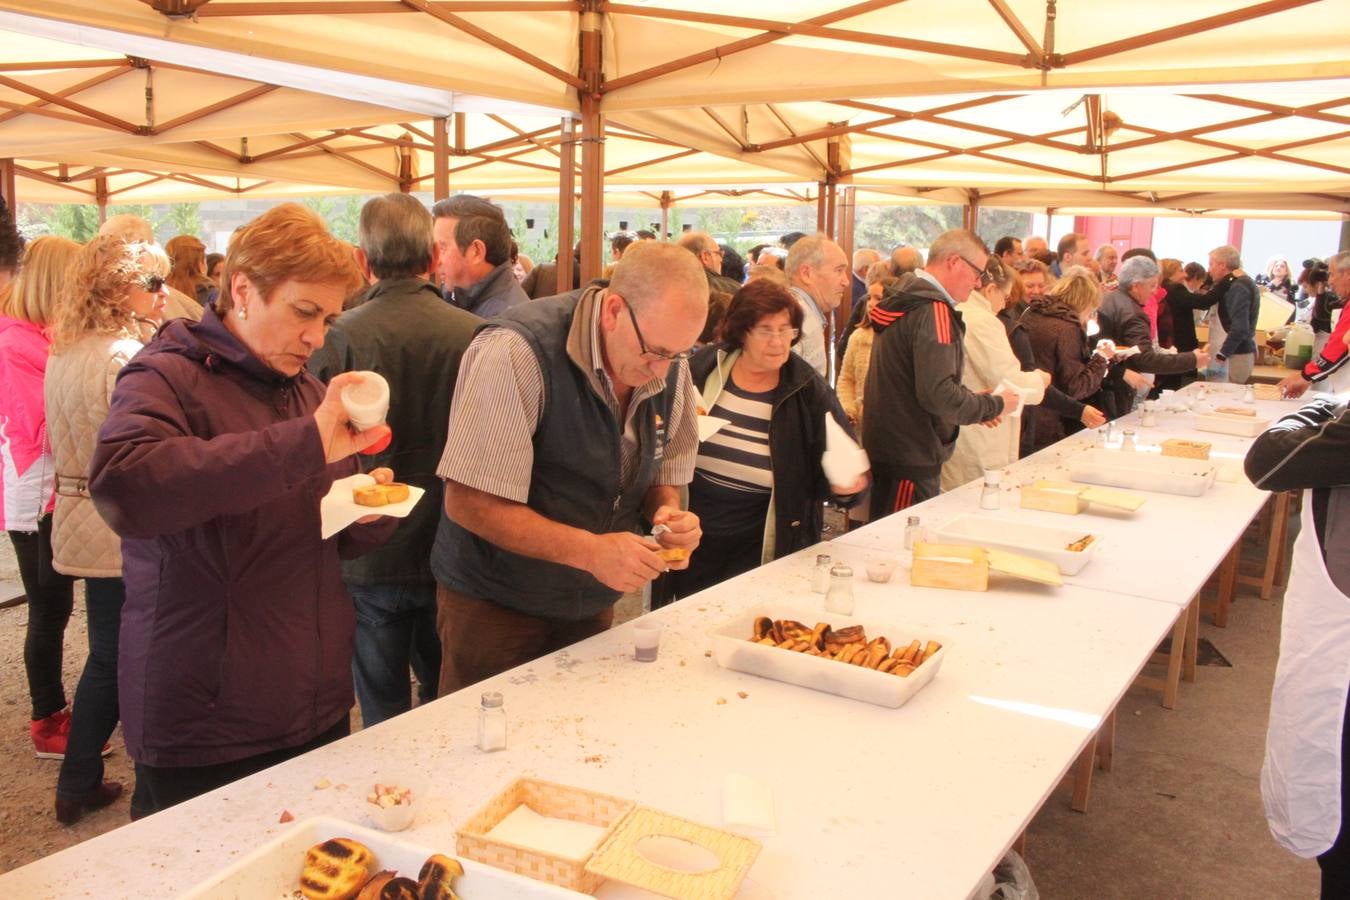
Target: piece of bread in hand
{"x": 672, "y": 554}
{"x": 381, "y": 494}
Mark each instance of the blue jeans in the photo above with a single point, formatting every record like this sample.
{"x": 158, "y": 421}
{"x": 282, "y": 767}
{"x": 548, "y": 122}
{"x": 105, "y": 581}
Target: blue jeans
{"x": 395, "y": 628}
{"x": 94, "y": 714}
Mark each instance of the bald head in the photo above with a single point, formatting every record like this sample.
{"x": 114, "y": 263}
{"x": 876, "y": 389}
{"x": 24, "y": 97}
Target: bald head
{"x": 651, "y": 275}
{"x": 129, "y": 228}
{"x": 905, "y": 260}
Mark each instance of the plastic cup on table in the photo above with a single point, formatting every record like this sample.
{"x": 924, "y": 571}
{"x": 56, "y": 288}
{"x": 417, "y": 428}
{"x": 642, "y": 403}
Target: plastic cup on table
{"x": 646, "y": 641}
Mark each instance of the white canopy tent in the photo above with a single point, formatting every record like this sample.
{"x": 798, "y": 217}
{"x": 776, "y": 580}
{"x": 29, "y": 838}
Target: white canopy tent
{"x": 1205, "y": 106}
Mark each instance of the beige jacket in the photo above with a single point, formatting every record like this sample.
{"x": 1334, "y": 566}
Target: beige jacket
{"x": 179, "y": 305}
{"x": 853, "y": 374}
{"x": 77, "y": 388}
{"x": 989, "y": 360}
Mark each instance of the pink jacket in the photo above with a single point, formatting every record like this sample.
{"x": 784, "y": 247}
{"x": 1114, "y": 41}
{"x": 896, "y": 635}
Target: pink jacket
{"x": 27, "y": 473}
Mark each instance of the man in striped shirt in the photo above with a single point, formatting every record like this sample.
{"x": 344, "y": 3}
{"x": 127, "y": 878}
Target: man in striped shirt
{"x": 573, "y": 421}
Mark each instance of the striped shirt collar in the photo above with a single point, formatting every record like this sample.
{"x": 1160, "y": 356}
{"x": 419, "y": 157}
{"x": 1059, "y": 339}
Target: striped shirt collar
{"x": 584, "y": 349}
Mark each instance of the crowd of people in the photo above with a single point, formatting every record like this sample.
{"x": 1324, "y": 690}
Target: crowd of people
{"x": 172, "y": 419}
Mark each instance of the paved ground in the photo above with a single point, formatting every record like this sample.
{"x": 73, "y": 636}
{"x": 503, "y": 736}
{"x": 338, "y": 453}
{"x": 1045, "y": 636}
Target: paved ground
{"x": 1179, "y": 817}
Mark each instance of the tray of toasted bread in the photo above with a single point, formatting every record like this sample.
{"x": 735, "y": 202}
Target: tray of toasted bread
{"x": 357, "y": 496}
{"x": 1143, "y": 471}
{"x": 1069, "y": 549}
{"x": 1239, "y": 420}
{"x": 323, "y": 858}
{"x": 876, "y": 662}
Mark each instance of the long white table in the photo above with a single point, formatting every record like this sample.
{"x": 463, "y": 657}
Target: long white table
{"x": 925, "y": 798}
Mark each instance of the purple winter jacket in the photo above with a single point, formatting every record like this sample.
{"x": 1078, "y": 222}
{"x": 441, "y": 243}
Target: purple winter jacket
{"x": 236, "y": 635}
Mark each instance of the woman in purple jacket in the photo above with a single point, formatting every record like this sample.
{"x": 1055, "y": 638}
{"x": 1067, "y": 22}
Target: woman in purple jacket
{"x": 237, "y": 630}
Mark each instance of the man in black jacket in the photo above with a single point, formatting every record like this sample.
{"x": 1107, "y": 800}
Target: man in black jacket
{"x": 407, "y": 333}
{"x": 916, "y": 403}
{"x": 1238, "y": 310}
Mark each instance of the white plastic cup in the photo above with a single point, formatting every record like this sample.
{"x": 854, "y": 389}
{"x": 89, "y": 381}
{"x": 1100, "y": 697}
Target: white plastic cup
{"x": 880, "y": 570}
{"x": 367, "y": 403}
{"x": 646, "y": 641}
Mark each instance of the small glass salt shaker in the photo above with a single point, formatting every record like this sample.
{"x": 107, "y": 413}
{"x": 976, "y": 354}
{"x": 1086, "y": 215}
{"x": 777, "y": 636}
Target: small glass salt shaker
{"x": 491, "y": 722}
{"x": 1249, "y": 395}
{"x": 820, "y": 577}
{"x": 1150, "y": 416}
{"x": 989, "y": 494}
{"x": 913, "y": 532}
{"x": 839, "y": 598}
{"x": 1127, "y": 443}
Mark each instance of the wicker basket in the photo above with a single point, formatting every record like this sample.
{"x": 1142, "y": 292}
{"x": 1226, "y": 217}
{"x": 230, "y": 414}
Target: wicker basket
{"x": 548, "y": 799}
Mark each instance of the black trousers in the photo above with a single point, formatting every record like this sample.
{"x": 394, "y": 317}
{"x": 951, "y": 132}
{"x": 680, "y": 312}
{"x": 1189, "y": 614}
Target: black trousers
{"x": 899, "y": 487}
{"x": 717, "y": 558}
{"x": 1335, "y": 863}
{"x": 51, "y": 597}
{"x": 160, "y": 787}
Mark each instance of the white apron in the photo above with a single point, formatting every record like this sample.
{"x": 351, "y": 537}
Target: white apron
{"x": 1301, "y": 777}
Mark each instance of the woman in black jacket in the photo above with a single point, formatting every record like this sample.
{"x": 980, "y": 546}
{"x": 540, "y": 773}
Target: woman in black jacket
{"x": 758, "y": 485}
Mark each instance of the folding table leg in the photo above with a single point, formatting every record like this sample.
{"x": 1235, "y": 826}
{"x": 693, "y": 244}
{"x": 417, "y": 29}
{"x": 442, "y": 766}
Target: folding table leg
{"x": 1279, "y": 533}
{"x": 1191, "y": 650}
{"x": 1228, "y": 574}
{"x": 1106, "y": 742}
{"x": 1082, "y": 776}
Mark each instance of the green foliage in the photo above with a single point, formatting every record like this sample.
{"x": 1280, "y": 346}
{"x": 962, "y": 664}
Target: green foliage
{"x": 78, "y": 222}
{"x": 342, "y": 215}
{"x": 184, "y": 218}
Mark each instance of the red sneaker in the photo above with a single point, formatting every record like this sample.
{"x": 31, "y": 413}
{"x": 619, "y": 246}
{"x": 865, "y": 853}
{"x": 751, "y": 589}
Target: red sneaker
{"x": 50, "y": 736}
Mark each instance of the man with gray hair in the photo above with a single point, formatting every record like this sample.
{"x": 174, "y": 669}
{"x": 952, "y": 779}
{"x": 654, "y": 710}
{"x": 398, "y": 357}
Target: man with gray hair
{"x": 905, "y": 259}
{"x": 818, "y": 272}
{"x": 916, "y": 402}
{"x": 1123, "y": 319}
{"x": 862, "y": 261}
{"x": 406, "y": 332}
{"x": 709, "y": 254}
{"x": 571, "y": 433}
{"x": 133, "y": 229}
{"x": 1239, "y": 306}
{"x": 474, "y": 245}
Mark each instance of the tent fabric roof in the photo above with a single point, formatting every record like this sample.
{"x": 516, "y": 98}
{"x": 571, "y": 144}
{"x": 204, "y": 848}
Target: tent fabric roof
{"x": 1021, "y": 102}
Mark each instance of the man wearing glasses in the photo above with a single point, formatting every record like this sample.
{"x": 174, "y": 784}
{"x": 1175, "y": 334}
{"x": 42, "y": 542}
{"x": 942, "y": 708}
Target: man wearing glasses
{"x": 573, "y": 421}
{"x": 709, "y": 254}
{"x": 916, "y": 402}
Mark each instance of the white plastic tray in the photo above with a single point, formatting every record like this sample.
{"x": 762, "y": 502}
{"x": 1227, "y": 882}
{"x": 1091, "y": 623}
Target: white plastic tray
{"x": 1143, "y": 471}
{"x": 1030, "y": 540}
{"x": 734, "y": 650}
{"x": 1224, "y": 423}
{"x": 273, "y": 870}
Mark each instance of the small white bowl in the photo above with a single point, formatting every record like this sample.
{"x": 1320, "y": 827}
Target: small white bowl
{"x": 880, "y": 570}
{"x": 396, "y": 817}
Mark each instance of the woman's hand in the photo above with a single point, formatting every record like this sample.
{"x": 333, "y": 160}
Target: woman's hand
{"x": 335, "y": 430}
{"x": 857, "y": 487}
{"x": 1092, "y": 417}
{"x": 382, "y": 475}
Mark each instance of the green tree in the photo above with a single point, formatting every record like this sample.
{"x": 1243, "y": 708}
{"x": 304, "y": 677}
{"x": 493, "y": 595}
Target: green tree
{"x": 184, "y": 218}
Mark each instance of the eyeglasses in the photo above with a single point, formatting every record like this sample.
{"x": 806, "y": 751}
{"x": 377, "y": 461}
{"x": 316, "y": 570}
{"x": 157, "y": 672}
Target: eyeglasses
{"x": 782, "y": 334}
{"x": 979, "y": 270}
{"x": 648, "y": 353}
{"x": 152, "y": 283}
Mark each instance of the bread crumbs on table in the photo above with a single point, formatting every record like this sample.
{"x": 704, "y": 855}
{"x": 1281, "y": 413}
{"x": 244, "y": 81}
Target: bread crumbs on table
{"x": 721, "y": 701}
{"x": 742, "y": 694}
{"x": 286, "y": 817}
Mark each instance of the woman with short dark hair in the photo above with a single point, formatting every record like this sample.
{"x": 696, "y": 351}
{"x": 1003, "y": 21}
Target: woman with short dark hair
{"x": 758, "y": 485}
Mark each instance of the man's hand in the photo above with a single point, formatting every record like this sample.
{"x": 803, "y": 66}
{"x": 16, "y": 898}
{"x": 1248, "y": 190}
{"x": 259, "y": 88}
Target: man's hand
{"x": 1201, "y": 359}
{"x": 1134, "y": 379}
{"x": 1010, "y": 400}
{"x": 1045, "y": 377}
{"x": 1092, "y": 417}
{"x": 857, "y": 487}
{"x": 623, "y": 561}
{"x": 339, "y": 440}
{"x": 1293, "y": 385}
{"x": 685, "y": 532}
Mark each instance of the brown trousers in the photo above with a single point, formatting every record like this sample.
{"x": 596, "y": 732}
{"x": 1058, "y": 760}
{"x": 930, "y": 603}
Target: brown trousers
{"x": 480, "y": 639}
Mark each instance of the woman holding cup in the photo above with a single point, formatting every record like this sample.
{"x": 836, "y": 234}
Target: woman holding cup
{"x": 759, "y": 484}
{"x": 219, "y": 445}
